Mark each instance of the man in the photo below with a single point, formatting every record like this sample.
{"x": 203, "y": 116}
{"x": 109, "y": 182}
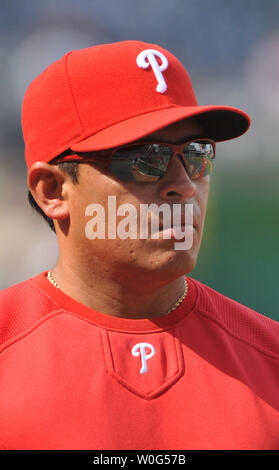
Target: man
{"x": 113, "y": 347}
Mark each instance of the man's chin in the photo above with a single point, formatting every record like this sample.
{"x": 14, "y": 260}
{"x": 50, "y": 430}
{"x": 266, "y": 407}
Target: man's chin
{"x": 174, "y": 262}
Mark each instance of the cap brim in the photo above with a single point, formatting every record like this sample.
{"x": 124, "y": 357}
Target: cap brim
{"x": 219, "y": 123}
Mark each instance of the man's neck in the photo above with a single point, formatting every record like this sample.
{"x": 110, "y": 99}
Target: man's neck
{"x": 130, "y": 296}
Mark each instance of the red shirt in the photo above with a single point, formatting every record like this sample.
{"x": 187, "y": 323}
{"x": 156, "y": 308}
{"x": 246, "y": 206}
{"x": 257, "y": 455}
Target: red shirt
{"x": 205, "y": 376}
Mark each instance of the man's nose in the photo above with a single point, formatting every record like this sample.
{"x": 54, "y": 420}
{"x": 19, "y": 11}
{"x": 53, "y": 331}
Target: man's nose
{"x": 176, "y": 182}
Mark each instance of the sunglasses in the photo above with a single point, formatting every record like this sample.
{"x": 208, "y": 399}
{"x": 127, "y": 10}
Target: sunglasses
{"x": 149, "y": 161}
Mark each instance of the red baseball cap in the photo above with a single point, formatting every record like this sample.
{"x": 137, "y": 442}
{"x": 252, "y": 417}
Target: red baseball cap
{"x": 109, "y": 95}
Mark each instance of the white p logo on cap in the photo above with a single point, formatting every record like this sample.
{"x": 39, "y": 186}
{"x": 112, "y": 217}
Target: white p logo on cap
{"x": 148, "y": 57}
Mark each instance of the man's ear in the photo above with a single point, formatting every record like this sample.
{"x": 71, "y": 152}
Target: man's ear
{"x": 47, "y": 185}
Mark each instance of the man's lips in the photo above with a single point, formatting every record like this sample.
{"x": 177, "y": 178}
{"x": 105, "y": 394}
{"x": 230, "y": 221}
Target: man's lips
{"x": 178, "y": 221}
{"x": 175, "y": 232}
{"x": 180, "y": 226}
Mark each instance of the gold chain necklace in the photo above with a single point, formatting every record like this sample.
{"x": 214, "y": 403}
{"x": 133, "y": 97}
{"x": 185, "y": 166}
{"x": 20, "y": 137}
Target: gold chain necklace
{"x": 52, "y": 280}
{"x": 177, "y": 303}
{"x": 181, "y": 298}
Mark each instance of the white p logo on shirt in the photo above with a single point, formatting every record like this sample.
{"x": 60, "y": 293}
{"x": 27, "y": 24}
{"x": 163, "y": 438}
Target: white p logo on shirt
{"x": 148, "y": 57}
{"x": 140, "y": 349}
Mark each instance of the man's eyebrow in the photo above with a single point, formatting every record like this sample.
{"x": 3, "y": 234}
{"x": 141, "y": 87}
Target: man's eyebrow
{"x": 193, "y": 137}
{"x": 186, "y": 138}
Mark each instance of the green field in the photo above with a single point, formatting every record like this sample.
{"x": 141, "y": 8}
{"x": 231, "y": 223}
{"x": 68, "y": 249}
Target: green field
{"x": 239, "y": 255}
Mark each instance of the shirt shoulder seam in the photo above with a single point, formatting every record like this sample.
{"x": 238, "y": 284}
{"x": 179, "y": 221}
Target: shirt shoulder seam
{"x": 29, "y": 330}
{"x": 234, "y": 335}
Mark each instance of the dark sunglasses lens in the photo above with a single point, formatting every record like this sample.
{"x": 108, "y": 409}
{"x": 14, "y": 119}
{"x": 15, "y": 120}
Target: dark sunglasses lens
{"x": 199, "y": 158}
{"x": 145, "y": 163}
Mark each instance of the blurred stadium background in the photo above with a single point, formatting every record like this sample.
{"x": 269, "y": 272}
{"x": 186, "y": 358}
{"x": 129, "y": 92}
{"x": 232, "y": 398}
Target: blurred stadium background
{"x": 231, "y": 50}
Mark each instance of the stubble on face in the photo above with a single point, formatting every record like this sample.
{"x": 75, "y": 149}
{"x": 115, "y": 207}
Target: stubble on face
{"x": 140, "y": 257}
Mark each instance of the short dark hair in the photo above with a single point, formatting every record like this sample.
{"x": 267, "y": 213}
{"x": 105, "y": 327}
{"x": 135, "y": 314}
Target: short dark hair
{"x": 70, "y": 169}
